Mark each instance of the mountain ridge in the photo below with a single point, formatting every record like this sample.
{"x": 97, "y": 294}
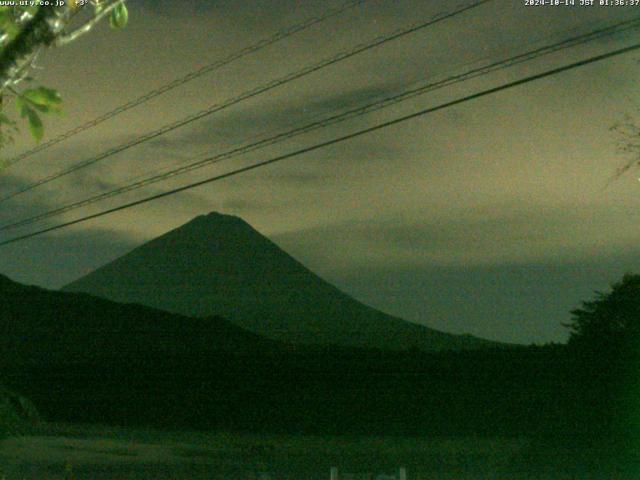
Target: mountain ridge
{"x": 218, "y": 264}
{"x": 49, "y": 326}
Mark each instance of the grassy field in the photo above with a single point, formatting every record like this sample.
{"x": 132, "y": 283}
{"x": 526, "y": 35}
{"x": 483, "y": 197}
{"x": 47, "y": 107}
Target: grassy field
{"x": 93, "y": 452}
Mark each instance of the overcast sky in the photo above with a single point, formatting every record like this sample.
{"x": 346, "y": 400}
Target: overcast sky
{"x": 494, "y": 217}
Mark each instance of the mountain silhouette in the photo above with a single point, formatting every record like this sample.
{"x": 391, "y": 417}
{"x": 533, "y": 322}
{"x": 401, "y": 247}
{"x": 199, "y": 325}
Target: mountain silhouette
{"x": 44, "y": 327}
{"x": 219, "y": 265}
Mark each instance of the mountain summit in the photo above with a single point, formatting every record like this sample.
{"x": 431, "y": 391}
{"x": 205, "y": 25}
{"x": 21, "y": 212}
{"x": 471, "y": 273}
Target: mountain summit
{"x": 219, "y": 265}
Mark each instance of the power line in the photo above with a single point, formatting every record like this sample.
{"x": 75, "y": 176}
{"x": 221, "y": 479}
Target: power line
{"x": 245, "y": 96}
{"x": 350, "y": 114}
{"x": 334, "y": 141}
{"x": 265, "y": 42}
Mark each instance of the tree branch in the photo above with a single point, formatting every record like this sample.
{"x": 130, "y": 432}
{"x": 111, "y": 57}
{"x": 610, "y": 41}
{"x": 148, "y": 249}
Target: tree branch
{"x": 87, "y": 26}
{"x": 41, "y": 31}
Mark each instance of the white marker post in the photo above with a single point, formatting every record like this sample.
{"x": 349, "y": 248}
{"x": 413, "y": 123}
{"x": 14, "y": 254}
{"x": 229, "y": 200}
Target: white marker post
{"x": 334, "y": 473}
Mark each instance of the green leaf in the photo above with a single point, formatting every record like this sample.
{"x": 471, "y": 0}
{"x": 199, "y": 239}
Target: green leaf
{"x": 43, "y": 108}
{"x": 42, "y": 96}
{"x": 119, "y": 16}
{"x": 8, "y": 19}
{"x": 35, "y": 124}
{"x": 21, "y": 106}
{"x": 4, "y": 120}
{"x": 8, "y": 24}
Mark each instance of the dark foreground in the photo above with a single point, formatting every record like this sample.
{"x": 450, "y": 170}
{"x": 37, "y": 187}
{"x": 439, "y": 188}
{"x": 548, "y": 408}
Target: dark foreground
{"x": 527, "y": 413}
{"x": 83, "y": 452}
{"x": 505, "y": 412}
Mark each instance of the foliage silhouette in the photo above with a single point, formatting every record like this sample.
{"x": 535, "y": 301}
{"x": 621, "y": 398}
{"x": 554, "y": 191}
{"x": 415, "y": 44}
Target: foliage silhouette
{"x": 611, "y": 322}
{"x": 604, "y": 341}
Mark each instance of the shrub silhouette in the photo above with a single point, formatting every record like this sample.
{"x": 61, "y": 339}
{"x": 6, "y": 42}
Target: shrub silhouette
{"x": 605, "y": 339}
{"x": 611, "y": 322}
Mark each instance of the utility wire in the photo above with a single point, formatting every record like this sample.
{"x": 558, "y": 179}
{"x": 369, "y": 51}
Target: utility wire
{"x": 265, "y": 42}
{"x": 333, "y": 141}
{"x": 245, "y": 96}
{"x": 374, "y": 106}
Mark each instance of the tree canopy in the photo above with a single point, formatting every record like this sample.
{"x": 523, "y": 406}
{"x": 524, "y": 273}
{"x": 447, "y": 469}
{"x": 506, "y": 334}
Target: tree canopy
{"x": 27, "y": 30}
{"x": 611, "y": 320}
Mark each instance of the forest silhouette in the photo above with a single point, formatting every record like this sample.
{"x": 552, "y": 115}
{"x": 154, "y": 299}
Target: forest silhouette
{"x": 177, "y": 372}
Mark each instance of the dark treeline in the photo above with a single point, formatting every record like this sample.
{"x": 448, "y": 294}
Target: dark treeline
{"x": 516, "y": 391}
{"x": 83, "y": 359}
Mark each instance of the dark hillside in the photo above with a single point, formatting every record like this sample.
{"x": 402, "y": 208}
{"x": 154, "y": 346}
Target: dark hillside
{"x": 84, "y": 359}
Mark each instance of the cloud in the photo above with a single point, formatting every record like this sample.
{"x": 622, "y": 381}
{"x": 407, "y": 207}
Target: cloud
{"x": 54, "y": 259}
{"x": 76, "y": 253}
{"x": 500, "y": 237}
{"x": 271, "y": 116}
{"x": 522, "y": 303}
